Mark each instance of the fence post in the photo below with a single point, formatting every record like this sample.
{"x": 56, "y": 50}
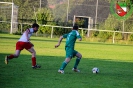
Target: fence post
{"x": 114, "y": 37}
{"x": 52, "y": 32}
{"x": 11, "y": 30}
{"x": 21, "y": 27}
{"x": 82, "y": 33}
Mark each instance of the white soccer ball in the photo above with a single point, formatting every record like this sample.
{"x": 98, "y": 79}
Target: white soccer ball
{"x": 95, "y": 70}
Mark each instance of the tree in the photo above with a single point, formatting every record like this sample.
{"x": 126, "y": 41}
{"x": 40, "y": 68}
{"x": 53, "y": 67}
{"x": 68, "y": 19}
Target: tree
{"x": 44, "y": 17}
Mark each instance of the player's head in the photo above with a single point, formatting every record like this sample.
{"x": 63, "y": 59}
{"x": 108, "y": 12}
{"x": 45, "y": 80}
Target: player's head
{"x": 35, "y": 26}
{"x": 75, "y": 27}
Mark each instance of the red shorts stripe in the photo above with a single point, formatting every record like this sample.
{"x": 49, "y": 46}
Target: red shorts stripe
{"x": 23, "y": 45}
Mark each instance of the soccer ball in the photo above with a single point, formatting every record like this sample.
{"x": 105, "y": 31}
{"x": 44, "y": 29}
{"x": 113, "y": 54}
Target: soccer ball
{"x": 95, "y": 70}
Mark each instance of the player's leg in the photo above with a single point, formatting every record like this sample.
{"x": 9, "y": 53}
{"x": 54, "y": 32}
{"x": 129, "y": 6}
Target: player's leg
{"x": 64, "y": 64}
{"x": 33, "y": 58}
{"x": 79, "y": 56}
{"x": 67, "y": 60}
{"x": 16, "y": 55}
{"x": 11, "y": 56}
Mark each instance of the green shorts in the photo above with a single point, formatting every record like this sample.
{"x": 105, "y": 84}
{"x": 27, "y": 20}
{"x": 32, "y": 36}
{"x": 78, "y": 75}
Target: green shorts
{"x": 70, "y": 52}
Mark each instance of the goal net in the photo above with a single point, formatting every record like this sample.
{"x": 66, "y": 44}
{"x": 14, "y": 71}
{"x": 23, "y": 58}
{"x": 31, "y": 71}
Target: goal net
{"x": 83, "y": 22}
{"x": 8, "y": 17}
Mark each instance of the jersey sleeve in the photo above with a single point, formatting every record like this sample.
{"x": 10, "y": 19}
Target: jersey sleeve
{"x": 77, "y": 34}
{"x": 65, "y": 35}
{"x": 31, "y": 30}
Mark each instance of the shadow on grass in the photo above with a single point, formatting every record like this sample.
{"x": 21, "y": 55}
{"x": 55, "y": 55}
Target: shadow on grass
{"x": 19, "y": 74}
{"x": 54, "y": 62}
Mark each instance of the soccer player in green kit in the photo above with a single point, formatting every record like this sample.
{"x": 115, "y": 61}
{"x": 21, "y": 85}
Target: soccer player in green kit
{"x": 69, "y": 48}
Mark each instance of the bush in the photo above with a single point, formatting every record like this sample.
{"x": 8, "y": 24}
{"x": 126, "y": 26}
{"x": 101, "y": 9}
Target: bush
{"x": 131, "y": 37}
{"x": 17, "y": 33}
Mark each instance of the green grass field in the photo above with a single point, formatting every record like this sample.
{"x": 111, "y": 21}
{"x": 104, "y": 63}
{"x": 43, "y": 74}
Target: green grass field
{"x": 114, "y": 61}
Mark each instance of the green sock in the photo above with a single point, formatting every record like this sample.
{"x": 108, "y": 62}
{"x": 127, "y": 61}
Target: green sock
{"x": 76, "y": 63}
{"x": 63, "y": 65}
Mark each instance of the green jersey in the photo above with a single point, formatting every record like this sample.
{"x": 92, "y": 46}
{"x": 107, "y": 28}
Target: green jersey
{"x": 71, "y": 38}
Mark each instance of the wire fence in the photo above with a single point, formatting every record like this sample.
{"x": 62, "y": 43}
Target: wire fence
{"x": 115, "y": 36}
{"x": 63, "y": 12}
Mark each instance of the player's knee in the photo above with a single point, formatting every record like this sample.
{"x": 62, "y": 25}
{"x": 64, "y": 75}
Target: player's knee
{"x": 79, "y": 55}
{"x": 16, "y": 56}
{"x": 67, "y": 60}
{"x": 33, "y": 53}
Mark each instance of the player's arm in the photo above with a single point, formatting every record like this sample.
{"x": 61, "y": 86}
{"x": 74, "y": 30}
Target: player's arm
{"x": 27, "y": 32}
{"x": 80, "y": 39}
{"x": 78, "y": 36}
{"x": 59, "y": 42}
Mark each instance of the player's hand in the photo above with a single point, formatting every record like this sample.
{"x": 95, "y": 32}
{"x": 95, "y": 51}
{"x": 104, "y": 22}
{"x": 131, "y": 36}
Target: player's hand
{"x": 57, "y": 45}
{"x": 28, "y": 39}
{"x": 80, "y": 39}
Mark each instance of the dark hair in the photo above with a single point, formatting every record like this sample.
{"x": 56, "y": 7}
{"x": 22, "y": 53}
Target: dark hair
{"x": 35, "y": 25}
{"x": 75, "y": 27}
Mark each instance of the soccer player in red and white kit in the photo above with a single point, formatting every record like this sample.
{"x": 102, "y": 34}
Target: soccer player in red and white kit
{"x": 24, "y": 43}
